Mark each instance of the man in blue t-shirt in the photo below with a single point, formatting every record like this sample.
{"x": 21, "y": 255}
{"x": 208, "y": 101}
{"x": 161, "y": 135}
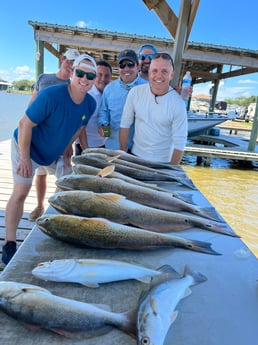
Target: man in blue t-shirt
{"x": 51, "y": 123}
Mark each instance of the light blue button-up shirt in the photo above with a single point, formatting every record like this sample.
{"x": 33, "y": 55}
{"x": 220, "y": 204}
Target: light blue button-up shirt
{"x": 111, "y": 108}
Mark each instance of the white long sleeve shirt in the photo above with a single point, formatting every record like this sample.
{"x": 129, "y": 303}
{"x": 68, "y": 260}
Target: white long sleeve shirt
{"x": 160, "y": 123}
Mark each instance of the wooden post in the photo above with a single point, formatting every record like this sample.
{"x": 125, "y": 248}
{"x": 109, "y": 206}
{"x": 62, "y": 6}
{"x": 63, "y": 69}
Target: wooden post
{"x": 39, "y": 57}
{"x": 254, "y": 132}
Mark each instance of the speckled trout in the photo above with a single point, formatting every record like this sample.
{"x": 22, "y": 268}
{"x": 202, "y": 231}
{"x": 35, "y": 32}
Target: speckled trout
{"x": 38, "y": 307}
{"x": 142, "y": 195}
{"x": 118, "y": 208}
{"x": 140, "y": 173}
{"x": 157, "y": 308}
{"x": 92, "y": 272}
{"x": 131, "y": 158}
{"x": 102, "y": 233}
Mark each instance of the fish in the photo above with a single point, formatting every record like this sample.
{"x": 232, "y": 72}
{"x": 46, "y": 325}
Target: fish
{"x": 104, "y": 234}
{"x": 157, "y": 307}
{"x": 131, "y": 158}
{"x": 39, "y": 308}
{"x": 92, "y": 272}
{"x": 140, "y": 174}
{"x": 142, "y": 195}
{"x": 79, "y": 169}
{"x": 118, "y": 208}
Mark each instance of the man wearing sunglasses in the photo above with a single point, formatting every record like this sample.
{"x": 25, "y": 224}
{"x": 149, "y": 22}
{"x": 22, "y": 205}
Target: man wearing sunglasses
{"x": 104, "y": 77}
{"x": 46, "y": 131}
{"x": 145, "y": 55}
{"x": 159, "y": 115}
{"x": 47, "y": 79}
{"x": 115, "y": 93}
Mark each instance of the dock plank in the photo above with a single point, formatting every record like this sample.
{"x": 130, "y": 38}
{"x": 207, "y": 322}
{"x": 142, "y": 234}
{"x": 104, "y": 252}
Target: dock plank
{"x": 6, "y": 185}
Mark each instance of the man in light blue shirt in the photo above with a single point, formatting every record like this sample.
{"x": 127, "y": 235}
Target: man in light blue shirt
{"x": 115, "y": 94}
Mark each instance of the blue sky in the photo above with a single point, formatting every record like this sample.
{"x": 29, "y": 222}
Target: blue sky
{"x": 218, "y": 22}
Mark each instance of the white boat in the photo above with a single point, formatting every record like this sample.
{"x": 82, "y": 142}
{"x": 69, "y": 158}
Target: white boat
{"x": 200, "y": 124}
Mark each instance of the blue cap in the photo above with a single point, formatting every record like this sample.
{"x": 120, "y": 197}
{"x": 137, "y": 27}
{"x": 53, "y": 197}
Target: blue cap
{"x": 147, "y": 46}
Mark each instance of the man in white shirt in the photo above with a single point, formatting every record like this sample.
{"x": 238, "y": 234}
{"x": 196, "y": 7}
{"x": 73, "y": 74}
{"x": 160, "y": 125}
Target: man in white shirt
{"x": 159, "y": 114}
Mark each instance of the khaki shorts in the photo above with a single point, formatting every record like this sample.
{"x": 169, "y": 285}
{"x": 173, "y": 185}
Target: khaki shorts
{"x": 36, "y": 168}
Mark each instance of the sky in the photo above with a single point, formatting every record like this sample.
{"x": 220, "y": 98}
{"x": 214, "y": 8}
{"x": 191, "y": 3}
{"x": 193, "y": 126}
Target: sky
{"x": 218, "y": 22}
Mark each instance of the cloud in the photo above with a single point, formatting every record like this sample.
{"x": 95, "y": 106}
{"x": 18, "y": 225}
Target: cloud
{"x": 247, "y": 81}
{"x": 17, "y": 73}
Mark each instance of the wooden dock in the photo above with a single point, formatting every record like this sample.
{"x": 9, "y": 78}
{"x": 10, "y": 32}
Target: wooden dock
{"x": 6, "y": 185}
{"x": 230, "y": 146}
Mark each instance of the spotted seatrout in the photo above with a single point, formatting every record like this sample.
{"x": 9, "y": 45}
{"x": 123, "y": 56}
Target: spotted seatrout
{"x": 36, "y": 306}
{"x": 157, "y": 308}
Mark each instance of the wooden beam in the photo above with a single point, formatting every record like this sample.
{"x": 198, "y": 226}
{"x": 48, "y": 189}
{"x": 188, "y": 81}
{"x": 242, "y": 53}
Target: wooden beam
{"x": 165, "y": 14}
{"x": 194, "y": 8}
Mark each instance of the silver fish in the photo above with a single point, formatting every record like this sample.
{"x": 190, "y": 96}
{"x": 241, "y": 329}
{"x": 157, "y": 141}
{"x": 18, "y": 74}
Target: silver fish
{"x": 137, "y": 173}
{"x": 36, "y": 306}
{"x": 142, "y": 195}
{"x": 79, "y": 169}
{"x": 131, "y": 158}
{"x": 92, "y": 272}
{"x": 118, "y": 209}
{"x": 101, "y": 233}
{"x": 157, "y": 312}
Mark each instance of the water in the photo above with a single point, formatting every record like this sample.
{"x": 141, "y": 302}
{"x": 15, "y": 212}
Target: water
{"x": 233, "y": 191}
{"x": 12, "y": 107}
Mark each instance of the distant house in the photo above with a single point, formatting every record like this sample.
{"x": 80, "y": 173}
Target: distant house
{"x": 4, "y": 85}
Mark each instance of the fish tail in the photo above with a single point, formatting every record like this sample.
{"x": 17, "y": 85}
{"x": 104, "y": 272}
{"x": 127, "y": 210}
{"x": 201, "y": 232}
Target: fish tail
{"x": 200, "y": 246}
{"x": 129, "y": 324}
{"x": 197, "y": 276}
{"x": 210, "y": 213}
{"x": 186, "y": 198}
{"x": 167, "y": 269}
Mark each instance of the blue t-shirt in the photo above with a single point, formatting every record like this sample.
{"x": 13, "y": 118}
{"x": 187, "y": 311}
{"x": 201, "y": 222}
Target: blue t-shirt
{"x": 58, "y": 118}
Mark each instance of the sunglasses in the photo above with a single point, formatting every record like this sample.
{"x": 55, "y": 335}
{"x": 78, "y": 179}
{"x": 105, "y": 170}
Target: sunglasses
{"x": 89, "y": 75}
{"x": 144, "y": 56}
{"x": 122, "y": 65}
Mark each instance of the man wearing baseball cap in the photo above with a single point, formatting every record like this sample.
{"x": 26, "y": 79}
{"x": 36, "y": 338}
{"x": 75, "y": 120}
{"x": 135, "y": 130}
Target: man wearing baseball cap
{"x": 115, "y": 93}
{"x": 145, "y": 55}
{"x": 46, "y": 131}
{"x": 45, "y": 80}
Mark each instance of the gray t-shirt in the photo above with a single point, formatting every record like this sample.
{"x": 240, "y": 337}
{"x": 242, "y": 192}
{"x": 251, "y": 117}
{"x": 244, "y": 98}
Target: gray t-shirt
{"x": 48, "y": 79}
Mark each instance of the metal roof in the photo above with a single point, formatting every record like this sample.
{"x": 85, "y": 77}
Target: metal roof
{"x": 207, "y": 62}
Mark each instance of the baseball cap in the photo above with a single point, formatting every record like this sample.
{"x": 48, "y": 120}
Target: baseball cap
{"x": 147, "y": 46}
{"x": 128, "y": 54}
{"x": 80, "y": 58}
{"x": 71, "y": 54}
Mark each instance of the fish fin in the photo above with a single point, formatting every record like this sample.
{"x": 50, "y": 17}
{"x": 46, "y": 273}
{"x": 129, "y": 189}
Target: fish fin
{"x": 111, "y": 159}
{"x": 209, "y": 212}
{"x": 173, "y": 316}
{"x": 188, "y": 292}
{"x": 153, "y": 305}
{"x": 82, "y": 334}
{"x": 169, "y": 270}
{"x": 145, "y": 280}
{"x": 197, "y": 276}
{"x": 130, "y": 324}
{"x": 188, "y": 198}
{"x": 31, "y": 327}
{"x": 90, "y": 285}
{"x": 106, "y": 171}
{"x": 112, "y": 197}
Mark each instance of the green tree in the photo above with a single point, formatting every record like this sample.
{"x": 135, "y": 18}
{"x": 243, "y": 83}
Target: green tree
{"x": 23, "y": 85}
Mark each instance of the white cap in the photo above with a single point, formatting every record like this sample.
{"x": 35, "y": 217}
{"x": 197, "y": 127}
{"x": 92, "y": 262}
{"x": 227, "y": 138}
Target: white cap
{"x": 71, "y": 54}
{"x": 79, "y": 59}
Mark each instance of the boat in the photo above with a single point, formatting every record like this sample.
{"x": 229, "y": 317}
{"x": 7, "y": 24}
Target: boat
{"x": 200, "y": 124}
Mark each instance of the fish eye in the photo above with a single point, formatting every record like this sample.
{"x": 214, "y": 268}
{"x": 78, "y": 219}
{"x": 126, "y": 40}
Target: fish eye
{"x": 145, "y": 341}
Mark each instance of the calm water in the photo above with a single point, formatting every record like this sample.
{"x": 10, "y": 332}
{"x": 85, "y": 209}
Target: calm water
{"x": 231, "y": 190}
